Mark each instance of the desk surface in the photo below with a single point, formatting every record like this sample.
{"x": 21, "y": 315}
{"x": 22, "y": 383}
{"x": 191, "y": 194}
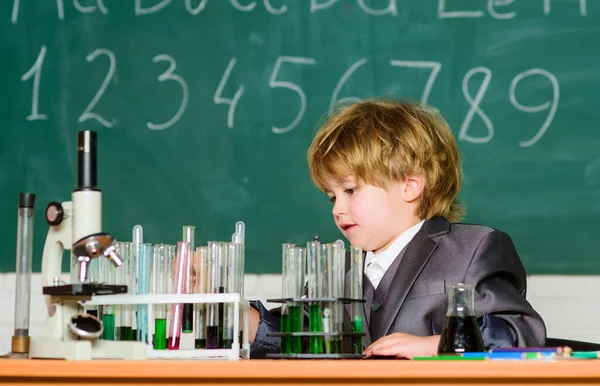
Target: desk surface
{"x": 290, "y": 372}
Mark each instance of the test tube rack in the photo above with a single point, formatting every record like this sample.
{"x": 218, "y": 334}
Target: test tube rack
{"x": 238, "y": 350}
{"x": 308, "y": 334}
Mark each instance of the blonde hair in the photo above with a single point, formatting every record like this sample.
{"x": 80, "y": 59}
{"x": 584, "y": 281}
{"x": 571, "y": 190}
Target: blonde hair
{"x": 380, "y": 142}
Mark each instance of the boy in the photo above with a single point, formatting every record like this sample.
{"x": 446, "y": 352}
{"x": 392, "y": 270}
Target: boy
{"x": 392, "y": 172}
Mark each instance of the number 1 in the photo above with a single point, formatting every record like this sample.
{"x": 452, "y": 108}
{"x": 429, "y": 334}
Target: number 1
{"x": 36, "y": 72}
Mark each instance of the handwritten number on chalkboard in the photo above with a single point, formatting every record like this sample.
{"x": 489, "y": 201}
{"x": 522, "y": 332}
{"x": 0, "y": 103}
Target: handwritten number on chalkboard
{"x": 435, "y": 69}
{"x": 218, "y": 99}
{"x": 170, "y": 75}
{"x": 36, "y": 72}
{"x": 475, "y": 109}
{"x": 552, "y": 106}
{"x": 336, "y": 92}
{"x": 87, "y": 114}
{"x": 274, "y": 83}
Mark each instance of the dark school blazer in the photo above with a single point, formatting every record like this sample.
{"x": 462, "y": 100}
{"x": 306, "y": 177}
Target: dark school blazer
{"x": 416, "y": 302}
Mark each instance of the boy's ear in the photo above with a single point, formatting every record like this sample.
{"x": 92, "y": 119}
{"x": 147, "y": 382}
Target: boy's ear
{"x": 413, "y": 187}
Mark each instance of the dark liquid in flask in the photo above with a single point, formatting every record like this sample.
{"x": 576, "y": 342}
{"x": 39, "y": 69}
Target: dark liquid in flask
{"x": 460, "y": 334}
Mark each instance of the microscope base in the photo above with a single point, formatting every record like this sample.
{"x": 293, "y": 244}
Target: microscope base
{"x": 86, "y": 349}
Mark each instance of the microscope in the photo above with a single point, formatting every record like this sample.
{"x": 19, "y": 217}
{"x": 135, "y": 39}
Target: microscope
{"x": 69, "y": 332}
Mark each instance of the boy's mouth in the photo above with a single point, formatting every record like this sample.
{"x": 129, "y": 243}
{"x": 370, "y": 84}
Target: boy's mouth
{"x": 347, "y": 227}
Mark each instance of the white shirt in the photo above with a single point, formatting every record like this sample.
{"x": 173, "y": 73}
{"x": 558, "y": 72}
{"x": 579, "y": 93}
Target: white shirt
{"x": 376, "y": 265}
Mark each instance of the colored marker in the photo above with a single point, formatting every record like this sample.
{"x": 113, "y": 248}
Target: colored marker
{"x": 557, "y": 350}
{"x": 509, "y": 355}
{"x": 586, "y": 354}
{"x": 448, "y": 358}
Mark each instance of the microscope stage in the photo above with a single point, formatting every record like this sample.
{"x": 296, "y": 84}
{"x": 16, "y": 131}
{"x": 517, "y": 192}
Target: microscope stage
{"x": 84, "y": 289}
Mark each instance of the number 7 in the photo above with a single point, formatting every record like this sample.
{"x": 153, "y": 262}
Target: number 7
{"x": 435, "y": 69}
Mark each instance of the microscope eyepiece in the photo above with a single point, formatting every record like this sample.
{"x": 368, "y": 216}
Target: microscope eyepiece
{"x": 87, "y": 171}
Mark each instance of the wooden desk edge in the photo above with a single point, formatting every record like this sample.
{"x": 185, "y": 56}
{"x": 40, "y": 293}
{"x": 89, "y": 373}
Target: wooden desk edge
{"x": 301, "y": 370}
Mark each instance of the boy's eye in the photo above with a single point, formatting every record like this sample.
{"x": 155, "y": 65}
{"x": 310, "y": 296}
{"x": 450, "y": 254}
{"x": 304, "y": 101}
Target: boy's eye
{"x": 332, "y": 199}
{"x": 350, "y": 191}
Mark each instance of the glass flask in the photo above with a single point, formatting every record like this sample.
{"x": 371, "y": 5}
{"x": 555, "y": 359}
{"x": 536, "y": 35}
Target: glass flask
{"x": 461, "y": 332}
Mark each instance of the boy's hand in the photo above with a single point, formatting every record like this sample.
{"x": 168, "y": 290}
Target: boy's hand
{"x": 403, "y": 345}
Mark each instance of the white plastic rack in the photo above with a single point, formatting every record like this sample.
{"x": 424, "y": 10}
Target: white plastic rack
{"x": 240, "y": 306}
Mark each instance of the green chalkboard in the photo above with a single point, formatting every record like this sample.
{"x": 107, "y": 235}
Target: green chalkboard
{"x": 205, "y": 108}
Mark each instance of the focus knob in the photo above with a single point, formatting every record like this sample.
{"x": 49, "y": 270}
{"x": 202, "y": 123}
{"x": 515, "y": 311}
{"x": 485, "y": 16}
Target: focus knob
{"x": 54, "y": 213}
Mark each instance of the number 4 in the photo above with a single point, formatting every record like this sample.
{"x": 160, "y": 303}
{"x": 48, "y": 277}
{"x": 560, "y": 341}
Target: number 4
{"x": 218, "y": 99}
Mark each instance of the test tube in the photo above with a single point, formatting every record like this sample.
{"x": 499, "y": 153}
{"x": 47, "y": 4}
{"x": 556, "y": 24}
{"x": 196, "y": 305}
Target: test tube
{"x": 240, "y": 230}
{"x": 238, "y": 238}
{"x": 315, "y": 314}
{"x": 20, "y": 339}
{"x": 125, "y": 275}
{"x": 182, "y": 264}
{"x": 285, "y": 294}
{"x": 295, "y": 280}
{"x": 338, "y": 259}
{"x": 325, "y": 291}
{"x": 144, "y": 259}
{"x": 108, "y": 273}
{"x": 187, "y": 325}
{"x": 223, "y": 258}
{"x": 213, "y": 280}
{"x": 200, "y": 273}
{"x": 137, "y": 237}
{"x": 93, "y": 272}
{"x": 171, "y": 253}
{"x": 158, "y": 286}
{"x": 356, "y": 292}
{"x": 231, "y": 286}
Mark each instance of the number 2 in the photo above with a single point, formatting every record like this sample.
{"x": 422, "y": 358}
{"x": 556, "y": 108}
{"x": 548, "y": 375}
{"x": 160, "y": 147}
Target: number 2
{"x": 87, "y": 113}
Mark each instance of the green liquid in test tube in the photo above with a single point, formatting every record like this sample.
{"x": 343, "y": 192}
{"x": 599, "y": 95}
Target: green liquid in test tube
{"x": 108, "y": 275}
{"x": 337, "y": 274}
{"x": 295, "y": 324}
{"x": 315, "y": 314}
{"x": 294, "y": 282}
{"x": 357, "y": 326}
{"x": 356, "y": 292}
{"x": 159, "y": 275}
{"x": 160, "y": 334}
{"x": 108, "y": 324}
{"x": 285, "y": 294}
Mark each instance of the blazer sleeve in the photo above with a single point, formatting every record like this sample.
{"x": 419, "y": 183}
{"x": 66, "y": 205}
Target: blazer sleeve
{"x": 269, "y": 322}
{"x": 500, "y": 287}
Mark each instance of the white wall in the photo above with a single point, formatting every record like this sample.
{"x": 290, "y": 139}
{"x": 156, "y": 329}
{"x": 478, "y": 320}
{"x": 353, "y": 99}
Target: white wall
{"x": 568, "y": 304}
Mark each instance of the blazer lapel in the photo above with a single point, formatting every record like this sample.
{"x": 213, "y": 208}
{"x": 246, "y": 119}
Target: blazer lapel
{"x": 415, "y": 257}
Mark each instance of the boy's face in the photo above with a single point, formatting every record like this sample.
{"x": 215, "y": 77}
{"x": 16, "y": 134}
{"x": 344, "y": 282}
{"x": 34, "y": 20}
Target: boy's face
{"x": 370, "y": 216}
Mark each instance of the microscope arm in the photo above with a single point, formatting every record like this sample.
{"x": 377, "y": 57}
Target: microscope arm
{"x": 59, "y": 237}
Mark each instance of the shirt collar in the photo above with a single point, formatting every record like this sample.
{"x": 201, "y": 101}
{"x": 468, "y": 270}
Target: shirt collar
{"x": 386, "y": 258}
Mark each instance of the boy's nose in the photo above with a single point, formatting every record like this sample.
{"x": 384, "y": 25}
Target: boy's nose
{"x": 339, "y": 208}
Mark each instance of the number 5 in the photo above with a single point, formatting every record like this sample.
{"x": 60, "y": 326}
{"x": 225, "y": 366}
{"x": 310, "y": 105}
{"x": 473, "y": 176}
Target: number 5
{"x": 274, "y": 83}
